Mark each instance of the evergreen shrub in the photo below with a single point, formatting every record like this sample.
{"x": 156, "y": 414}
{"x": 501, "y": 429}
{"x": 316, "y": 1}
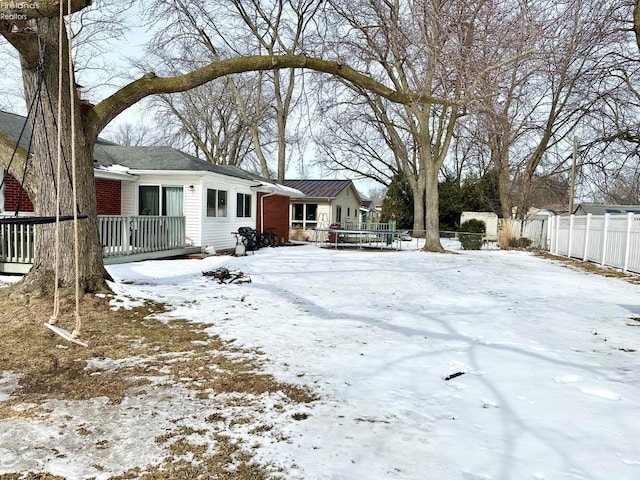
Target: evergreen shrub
{"x": 471, "y": 233}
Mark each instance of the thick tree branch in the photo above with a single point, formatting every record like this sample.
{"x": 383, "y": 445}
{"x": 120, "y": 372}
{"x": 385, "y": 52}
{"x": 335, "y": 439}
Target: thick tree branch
{"x": 150, "y": 84}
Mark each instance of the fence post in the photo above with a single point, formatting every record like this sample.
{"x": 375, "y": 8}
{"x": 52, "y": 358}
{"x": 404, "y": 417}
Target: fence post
{"x": 627, "y": 243}
{"x": 569, "y": 245}
{"x": 605, "y": 234}
{"x": 586, "y": 237}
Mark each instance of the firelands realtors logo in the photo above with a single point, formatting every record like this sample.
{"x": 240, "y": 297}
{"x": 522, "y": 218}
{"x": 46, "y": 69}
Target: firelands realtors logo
{"x": 16, "y": 8}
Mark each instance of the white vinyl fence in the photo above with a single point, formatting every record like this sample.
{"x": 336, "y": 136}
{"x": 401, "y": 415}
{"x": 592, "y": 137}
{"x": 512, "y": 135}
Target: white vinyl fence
{"x": 535, "y": 228}
{"x": 608, "y": 240}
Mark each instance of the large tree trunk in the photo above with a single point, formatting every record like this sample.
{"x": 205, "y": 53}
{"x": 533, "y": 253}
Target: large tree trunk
{"x": 42, "y": 186}
{"x": 418, "y": 210}
{"x": 432, "y": 224}
{"x": 414, "y": 180}
{"x": 500, "y": 160}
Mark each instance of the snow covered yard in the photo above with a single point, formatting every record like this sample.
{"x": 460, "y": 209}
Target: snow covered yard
{"x": 544, "y": 360}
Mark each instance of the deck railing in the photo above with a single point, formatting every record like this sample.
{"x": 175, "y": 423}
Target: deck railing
{"x": 124, "y": 235}
{"x": 119, "y": 235}
{"x": 17, "y": 243}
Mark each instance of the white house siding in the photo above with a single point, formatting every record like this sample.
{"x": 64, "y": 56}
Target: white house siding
{"x": 202, "y": 230}
{"x": 490, "y": 220}
{"x": 216, "y": 231}
{"x": 130, "y": 189}
{"x": 191, "y": 201}
{"x": 129, "y": 198}
{"x": 350, "y": 204}
{"x": 193, "y": 212}
{"x": 327, "y": 212}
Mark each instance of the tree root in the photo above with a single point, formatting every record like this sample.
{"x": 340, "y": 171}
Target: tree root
{"x": 39, "y": 284}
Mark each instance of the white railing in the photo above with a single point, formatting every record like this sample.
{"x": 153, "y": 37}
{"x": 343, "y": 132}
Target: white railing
{"x": 370, "y": 226}
{"x": 122, "y": 235}
{"x": 608, "y": 240}
{"x": 17, "y": 243}
{"x": 119, "y": 236}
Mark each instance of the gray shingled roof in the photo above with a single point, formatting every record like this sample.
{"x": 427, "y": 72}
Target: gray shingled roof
{"x": 319, "y": 188}
{"x": 167, "y": 158}
{"x": 107, "y": 153}
{"x": 12, "y": 124}
{"x": 601, "y": 209}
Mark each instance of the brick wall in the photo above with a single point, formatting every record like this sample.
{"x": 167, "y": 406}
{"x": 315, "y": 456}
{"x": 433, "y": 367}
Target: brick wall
{"x": 108, "y": 195}
{"x": 12, "y": 193}
{"x": 276, "y": 215}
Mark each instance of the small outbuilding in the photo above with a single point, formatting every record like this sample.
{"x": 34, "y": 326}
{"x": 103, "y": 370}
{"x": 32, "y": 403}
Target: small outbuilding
{"x": 490, "y": 220}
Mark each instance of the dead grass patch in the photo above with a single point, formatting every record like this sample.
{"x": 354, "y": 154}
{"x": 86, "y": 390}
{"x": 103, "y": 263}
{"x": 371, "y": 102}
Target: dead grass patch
{"x": 591, "y": 267}
{"x": 128, "y": 350}
{"x": 30, "y": 476}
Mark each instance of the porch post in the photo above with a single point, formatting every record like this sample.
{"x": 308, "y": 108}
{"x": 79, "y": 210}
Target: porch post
{"x": 125, "y": 229}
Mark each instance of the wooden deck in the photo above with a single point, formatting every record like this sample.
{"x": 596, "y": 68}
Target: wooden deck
{"x": 124, "y": 239}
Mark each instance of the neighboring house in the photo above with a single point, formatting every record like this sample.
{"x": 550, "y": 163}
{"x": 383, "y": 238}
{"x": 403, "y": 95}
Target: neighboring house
{"x": 215, "y": 200}
{"x": 369, "y": 211}
{"x": 162, "y": 181}
{"x": 325, "y": 202}
{"x": 601, "y": 209}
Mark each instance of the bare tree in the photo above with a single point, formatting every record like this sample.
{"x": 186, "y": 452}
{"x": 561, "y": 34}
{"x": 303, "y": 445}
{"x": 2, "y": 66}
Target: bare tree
{"x": 134, "y": 134}
{"x": 358, "y": 136}
{"x": 207, "y": 122}
{"x": 531, "y": 108}
{"x": 610, "y": 135}
{"x": 636, "y": 21}
{"x": 252, "y": 27}
{"x": 427, "y": 46}
{"x": 40, "y": 48}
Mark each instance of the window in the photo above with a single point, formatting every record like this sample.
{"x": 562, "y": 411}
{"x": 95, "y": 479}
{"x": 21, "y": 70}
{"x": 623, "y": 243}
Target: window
{"x": 148, "y": 200}
{"x": 152, "y": 202}
{"x": 312, "y": 210}
{"x": 305, "y": 215}
{"x": 339, "y": 214}
{"x": 216, "y": 203}
{"x": 348, "y": 212}
{"x": 243, "y": 205}
{"x": 172, "y": 202}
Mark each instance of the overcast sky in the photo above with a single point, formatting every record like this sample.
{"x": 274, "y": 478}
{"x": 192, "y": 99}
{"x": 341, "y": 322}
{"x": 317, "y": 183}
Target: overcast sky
{"x": 122, "y": 52}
